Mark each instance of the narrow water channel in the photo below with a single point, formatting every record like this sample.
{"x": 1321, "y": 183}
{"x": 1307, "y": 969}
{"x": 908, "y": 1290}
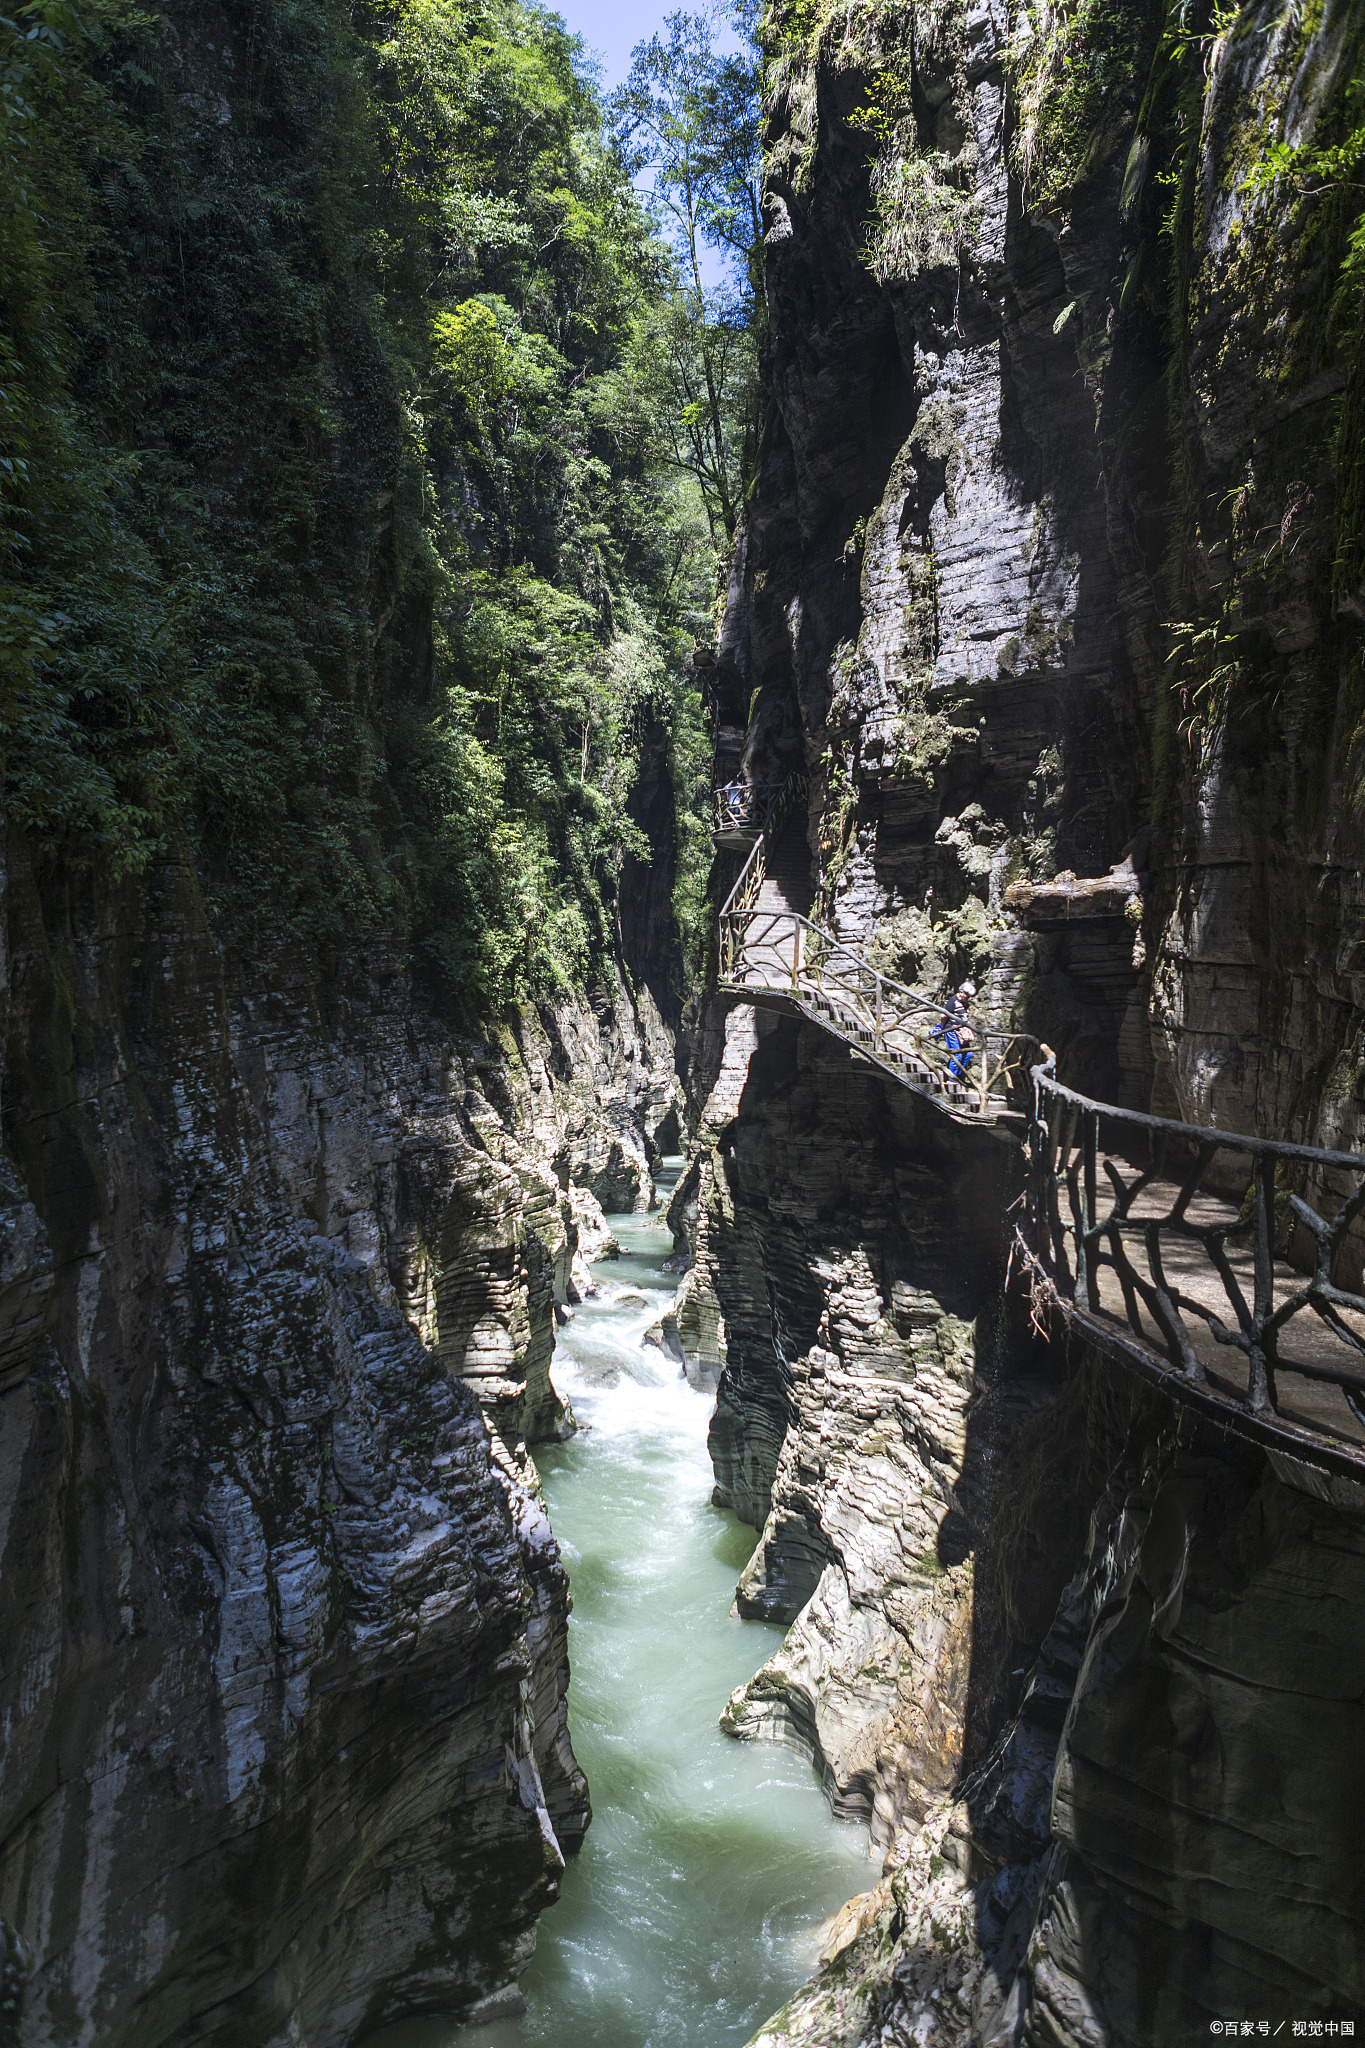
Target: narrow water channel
{"x": 696, "y": 1905}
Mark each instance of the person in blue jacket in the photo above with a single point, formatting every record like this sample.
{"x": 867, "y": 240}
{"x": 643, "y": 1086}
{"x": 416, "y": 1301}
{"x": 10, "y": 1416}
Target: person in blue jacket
{"x": 956, "y": 1032}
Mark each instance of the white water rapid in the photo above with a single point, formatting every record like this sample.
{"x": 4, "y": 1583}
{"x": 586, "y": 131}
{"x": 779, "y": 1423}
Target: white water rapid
{"x": 697, "y": 1903}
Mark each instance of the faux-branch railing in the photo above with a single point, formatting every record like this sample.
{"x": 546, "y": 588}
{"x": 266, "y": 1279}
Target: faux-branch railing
{"x": 751, "y": 877}
{"x": 737, "y": 806}
{"x": 1066, "y": 1152}
{"x": 780, "y": 952}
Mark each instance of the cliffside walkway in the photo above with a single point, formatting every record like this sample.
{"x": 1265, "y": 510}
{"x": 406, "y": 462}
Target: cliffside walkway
{"x": 1191, "y": 1255}
{"x": 740, "y": 811}
{"x": 1222, "y": 1267}
{"x": 771, "y": 955}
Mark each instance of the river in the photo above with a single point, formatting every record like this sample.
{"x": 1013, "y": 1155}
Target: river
{"x": 696, "y": 1905}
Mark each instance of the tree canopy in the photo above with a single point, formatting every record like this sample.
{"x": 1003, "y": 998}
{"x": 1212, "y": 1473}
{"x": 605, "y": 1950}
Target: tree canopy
{"x": 688, "y": 115}
{"x": 346, "y": 541}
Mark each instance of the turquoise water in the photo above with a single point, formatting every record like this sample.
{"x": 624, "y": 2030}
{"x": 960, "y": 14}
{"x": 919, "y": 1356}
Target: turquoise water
{"x": 697, "y": 1904}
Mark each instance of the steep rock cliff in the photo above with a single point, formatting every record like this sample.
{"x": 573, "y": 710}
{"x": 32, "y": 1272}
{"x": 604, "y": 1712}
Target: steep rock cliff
{"x": 341, "y": 637}
{"x": 857, "y": 1290}
{"x": 1049, "y": 584}
{"x": 1148, "y": 1846}
{"x": 286, "y": 1752}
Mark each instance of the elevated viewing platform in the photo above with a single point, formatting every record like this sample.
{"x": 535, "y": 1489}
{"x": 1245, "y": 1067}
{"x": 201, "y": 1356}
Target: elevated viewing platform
{"x": 1223, "y": 1268}
{"x": 739, "y": 811}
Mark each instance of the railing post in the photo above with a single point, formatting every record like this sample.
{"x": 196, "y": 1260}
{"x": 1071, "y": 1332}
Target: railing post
{"x": 1042, "y": 1158}
{"x": 1261, "y": 1381}
{"x": 796, "y": 954}
{"x": 1092, "y": 1143}
{"x": 877, "y": 1033}
{"x": 1037, "y": 1130}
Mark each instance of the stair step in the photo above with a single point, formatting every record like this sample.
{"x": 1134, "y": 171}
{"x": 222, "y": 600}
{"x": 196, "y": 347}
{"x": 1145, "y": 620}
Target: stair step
{"x": 767, "y": 963}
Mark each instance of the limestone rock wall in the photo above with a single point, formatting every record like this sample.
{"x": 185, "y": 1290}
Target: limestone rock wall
{"x": 1050, "y": 583}
{"x": 284, "y": 1631}
{"x": 1257, "y": 999}
{"x": 930, "y": 598}
{"x": 597, "y": 1086}
{"x": 1200, "y": 1858}
{"x": 1151, "y": 1844}
{"x": 720, "y": 1049}
{"x": 858, "y": 1262}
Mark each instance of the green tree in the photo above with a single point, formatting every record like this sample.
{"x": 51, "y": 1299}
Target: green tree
{"x": 688, "y": 115}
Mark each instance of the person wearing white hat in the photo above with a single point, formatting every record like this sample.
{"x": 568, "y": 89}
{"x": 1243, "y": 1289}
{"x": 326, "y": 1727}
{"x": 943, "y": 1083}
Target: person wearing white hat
{"x": 955, "y": 1031}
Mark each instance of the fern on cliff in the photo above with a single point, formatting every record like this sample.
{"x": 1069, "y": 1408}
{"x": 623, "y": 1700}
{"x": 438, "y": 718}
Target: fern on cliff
{"x": 1077, "y": 67}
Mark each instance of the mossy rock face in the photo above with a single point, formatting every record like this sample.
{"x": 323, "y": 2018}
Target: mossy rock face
{"x": 969, "y": 936}
{"x": 1078, "y": 76}
{"x": 909, "y": 949}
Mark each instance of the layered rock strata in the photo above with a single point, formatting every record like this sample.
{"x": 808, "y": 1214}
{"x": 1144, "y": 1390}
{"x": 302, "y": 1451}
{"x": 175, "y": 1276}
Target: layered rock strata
{"x": 858, "y": 1263}
{"x": 597, "y": 1089}
{"x": 1049, "y": 585}
{"x": 1150, "y": 1845}
{"x": 698, "y": 1209}
{"x": 286, "y": 1752}
{"x": 1257, "y": 1001}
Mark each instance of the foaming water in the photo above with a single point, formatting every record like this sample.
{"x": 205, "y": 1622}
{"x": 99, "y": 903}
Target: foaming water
{"x": 695, "y": 1906}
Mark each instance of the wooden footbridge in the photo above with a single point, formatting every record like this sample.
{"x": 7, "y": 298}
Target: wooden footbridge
{"x": 1226, "y": 1269}
{"x": 771, "y": 955}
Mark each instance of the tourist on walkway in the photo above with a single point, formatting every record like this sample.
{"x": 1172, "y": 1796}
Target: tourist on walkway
{"x": 955, "y": 1031}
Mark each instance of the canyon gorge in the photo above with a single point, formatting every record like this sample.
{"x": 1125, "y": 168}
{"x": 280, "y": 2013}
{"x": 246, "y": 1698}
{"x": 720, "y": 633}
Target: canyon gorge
{"x": 361, "y": 966}
{"x": 1050, "y": 1634}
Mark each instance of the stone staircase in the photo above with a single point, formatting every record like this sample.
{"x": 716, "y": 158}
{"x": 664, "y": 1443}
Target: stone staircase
{"x": 787, "y": 883}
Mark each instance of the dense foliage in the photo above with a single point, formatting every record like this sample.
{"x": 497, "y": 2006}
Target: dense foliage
{"x": 344, "y": 543}
{"x": 689, "y": 117}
